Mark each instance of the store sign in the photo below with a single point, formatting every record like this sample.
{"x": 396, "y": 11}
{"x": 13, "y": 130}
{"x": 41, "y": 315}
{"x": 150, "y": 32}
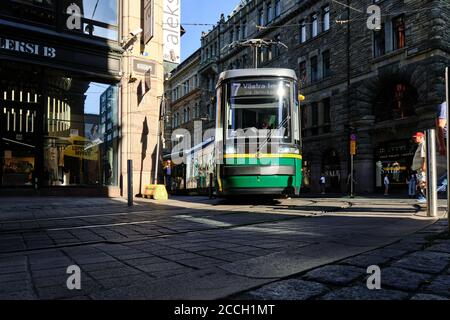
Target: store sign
{"x": 148, "y": 20}
{"x": 144, "y": 67}
{"x": 27, "y": 48}
{"x": 171, "y": 31}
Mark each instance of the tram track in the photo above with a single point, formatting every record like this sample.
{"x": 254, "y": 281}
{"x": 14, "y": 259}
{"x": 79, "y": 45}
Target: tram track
{"x": 281, "y": 218}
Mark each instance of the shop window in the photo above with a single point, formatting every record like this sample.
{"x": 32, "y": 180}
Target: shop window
{"x": 398, "y": 26}
{"x": 81, "y": 144}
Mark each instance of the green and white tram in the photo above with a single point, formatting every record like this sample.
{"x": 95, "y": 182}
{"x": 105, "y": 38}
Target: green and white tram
{"x": 257, "y": 139}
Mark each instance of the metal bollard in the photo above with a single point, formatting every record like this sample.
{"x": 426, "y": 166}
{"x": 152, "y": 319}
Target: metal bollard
{"x": 431, "y": 176}
{"x": 211, "y": 185}
{"x": 130, "y": 182}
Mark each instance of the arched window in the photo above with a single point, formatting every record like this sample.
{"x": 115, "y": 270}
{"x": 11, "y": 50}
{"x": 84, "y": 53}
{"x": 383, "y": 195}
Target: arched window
{"x": 395, "y": 100}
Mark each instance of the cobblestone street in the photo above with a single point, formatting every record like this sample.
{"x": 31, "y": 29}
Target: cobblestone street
{"x": 196, "y": 248}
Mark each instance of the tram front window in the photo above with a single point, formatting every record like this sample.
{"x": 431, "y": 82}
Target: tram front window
{"x": 259, "y": 109}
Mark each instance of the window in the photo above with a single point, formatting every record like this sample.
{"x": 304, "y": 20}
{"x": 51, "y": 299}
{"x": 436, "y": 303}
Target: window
{"x": 326, "y": 115}
{"x": 326, "y": 63}
{"x": 302, "y": 31}
{"x": 261, "y": 17}
{"x": 244, "y": 29}
{"x": 238, "y": 33}
{"x": 188, "y": 114}
{"x": 315, "y": 117}
{"x": 379, "y": 43}
{"x": 304, "y": 117}
{"x": 398, "y": 27}
{"x": 314, "y": 73}
{"x": 314, "y": 25}
{"x": 269, "y": 53}
{"x": 276, "y": 47}
{"x": 277, "y": 8}
{"x": 262, "y": 54}
{"x": 269, "y": 13}
{"x": 302, "y": 72}
{"x": 326, "y": 18}
{"x": 97, "y": 18}
{"x": 244, "y": 61}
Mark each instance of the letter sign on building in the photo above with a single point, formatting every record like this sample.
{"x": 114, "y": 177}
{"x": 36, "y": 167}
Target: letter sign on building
{"x": 171, "y": 31}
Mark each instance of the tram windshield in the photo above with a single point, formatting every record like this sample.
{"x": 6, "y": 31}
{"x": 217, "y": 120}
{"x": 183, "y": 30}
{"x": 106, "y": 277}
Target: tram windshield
{"x": 258, "y": 108}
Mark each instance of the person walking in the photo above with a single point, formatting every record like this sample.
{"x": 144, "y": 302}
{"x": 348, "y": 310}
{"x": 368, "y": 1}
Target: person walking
{"x": 419, "y": 164}
{"x": 386, "y": 185}
{"x": 322, "y": 183}
{"x": 168, "y": 172}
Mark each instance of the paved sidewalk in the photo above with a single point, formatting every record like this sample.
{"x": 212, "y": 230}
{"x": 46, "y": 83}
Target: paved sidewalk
{"x": 416, "y": 268}
{"x": 190, "y": 247}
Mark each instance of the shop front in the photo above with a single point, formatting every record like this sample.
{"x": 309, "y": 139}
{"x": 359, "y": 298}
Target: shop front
{"x": 394, "y": 159}
{"x": 58, "y": 106}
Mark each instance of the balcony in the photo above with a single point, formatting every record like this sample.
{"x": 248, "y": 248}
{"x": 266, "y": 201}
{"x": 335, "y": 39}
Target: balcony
{"x": 209, "y": 65}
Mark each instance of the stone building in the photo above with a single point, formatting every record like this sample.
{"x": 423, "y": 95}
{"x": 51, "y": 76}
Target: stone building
{"x": 382, "y": 85}
{"x": 183, "y": 94}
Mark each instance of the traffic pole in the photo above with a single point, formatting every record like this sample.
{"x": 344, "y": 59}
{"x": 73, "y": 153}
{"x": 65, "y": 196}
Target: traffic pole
{"x": 447, "y": 95}
{"x": 130, "y": 182}
{"x": 431, "y": 176}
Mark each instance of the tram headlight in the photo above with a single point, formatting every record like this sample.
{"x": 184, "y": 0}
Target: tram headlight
{"x": 230, "y": 149}
{"x": 288, "y": 150}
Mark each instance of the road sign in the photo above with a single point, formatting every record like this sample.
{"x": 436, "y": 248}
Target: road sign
{"x": 353, "y": 147}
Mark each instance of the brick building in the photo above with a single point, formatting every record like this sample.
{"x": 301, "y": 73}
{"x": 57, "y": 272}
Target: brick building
{"x": 382, "y": 85}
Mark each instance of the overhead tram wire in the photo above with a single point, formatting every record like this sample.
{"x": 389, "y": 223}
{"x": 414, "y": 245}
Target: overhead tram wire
{"x": 388, "y": 14}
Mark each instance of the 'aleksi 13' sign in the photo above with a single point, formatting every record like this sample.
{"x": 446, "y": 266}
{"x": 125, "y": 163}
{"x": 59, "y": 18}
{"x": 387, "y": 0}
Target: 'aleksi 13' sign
{"x": 27, "y": 47}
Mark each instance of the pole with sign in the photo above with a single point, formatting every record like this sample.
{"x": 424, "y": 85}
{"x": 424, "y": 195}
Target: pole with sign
{"x": 352, "y": 154}
{"x": 447, "y": 96}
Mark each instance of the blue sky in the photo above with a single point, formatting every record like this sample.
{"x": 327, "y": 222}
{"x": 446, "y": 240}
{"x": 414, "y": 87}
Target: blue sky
{"x": 200, "y": 11}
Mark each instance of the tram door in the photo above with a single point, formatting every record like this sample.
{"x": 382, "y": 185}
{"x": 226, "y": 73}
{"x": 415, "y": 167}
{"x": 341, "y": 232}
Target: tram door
{"x": 19, "y": 137}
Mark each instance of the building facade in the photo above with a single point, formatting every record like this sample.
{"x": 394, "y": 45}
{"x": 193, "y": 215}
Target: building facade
{"x": 76, "y": 91}
{"x": 381, "y": 85}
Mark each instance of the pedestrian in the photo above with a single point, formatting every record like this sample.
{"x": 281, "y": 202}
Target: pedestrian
{"x": 322, "y": 183}
{"x": 441, "y": 159}
{"x": 412, "y": 182}
{"x": 419, "y": 165}
{"x": 168, "y": 171}
{"x": 386, "y": 185}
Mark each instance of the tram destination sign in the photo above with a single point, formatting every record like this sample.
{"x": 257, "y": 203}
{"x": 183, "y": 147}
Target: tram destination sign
{"x": 27, "y": 48}
{"x": 257, "y": 88}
